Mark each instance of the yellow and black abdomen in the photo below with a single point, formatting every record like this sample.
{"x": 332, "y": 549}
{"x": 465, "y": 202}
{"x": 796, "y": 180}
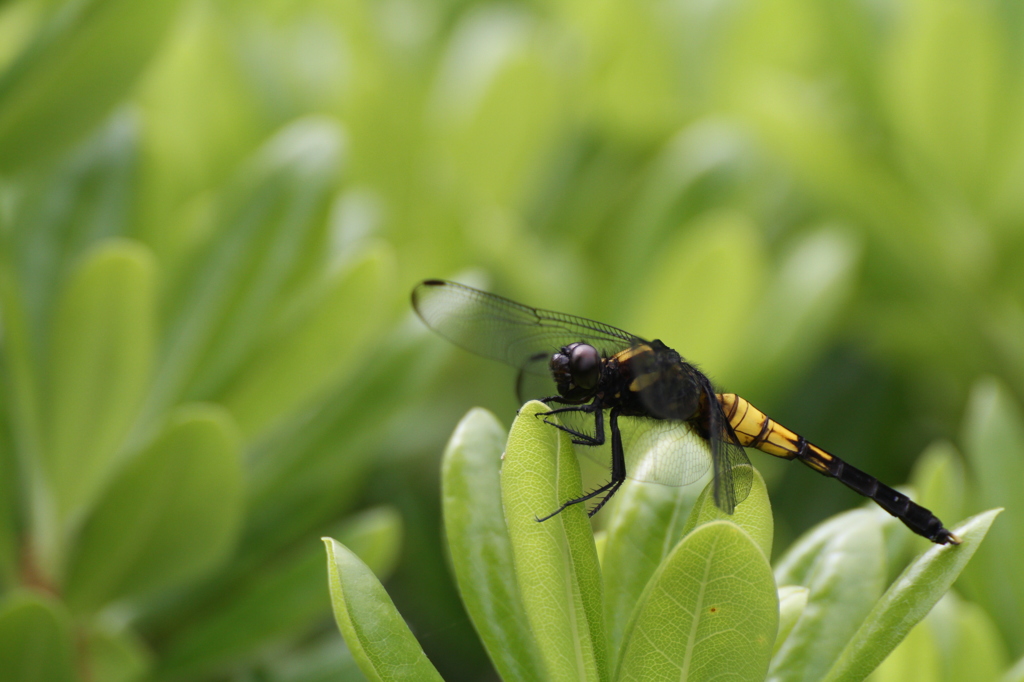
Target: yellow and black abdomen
{"x": 754, "y": 429}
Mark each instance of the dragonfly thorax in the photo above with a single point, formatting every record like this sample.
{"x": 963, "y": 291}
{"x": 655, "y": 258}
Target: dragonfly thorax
{"x": 576, "y": 369}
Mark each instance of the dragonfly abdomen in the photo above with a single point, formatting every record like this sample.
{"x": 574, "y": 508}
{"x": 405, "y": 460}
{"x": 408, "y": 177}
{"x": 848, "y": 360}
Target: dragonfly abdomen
{"x": 755, "y": 429}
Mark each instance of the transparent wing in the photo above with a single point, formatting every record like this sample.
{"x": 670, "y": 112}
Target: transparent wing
{"x": 733, "y": 474}
{"x": 662, "y": 451}
{"x": 504, "y": 330}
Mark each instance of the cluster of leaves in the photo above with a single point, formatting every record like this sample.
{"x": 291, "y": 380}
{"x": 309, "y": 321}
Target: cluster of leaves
{"x": 211, "y": 214}
{"x": 682, "y": 590}
{"x": 183, "y": 411}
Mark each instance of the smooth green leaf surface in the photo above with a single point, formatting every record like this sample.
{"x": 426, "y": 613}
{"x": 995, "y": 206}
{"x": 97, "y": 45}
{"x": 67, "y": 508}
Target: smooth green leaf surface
{"x": 478, "y": 543}
{"x": 710, "y": 612}
{"x": 117, "y": 656}
{"x": 291, "y": 588}
{"x": 555, "y": 561}
{"x": 36, "y": 640}
{"x": 993, "y": 440}
{"x": 378, "y": 638}
{"x": 1015, "y": 673}
{"x": 171, "y": 514}
{"x": 792, "y": 602}
{"x": 955, "y": 641}
{"x": 939, "y": 478}
{"x": 685, "y": 265}
{"x": 647, "y": 521}
{"x": 795, "y": 566}
{"x": 908, "y": 600}
{"x": 312, "y": 352}
{"x": 99, "y": 364}
{"x": 844, "y": 581}
{"x": 753, "y": 515}
{"x": 78, "y": 67}
{"x": 265, "y": 239}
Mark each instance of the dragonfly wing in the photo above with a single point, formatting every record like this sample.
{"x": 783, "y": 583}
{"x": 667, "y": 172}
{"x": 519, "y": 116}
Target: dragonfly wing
{"x": 733, "y": 474}
{"x": 669, "y": 452}
{"x": 497, "y": 328}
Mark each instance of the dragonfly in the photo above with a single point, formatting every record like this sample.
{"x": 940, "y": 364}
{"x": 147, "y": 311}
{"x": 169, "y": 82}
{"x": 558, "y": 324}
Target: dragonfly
{"x": 665, "y": 420}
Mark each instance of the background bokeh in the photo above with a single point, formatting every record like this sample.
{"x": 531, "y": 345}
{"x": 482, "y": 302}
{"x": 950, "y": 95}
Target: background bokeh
{"x": 212, "y": 214}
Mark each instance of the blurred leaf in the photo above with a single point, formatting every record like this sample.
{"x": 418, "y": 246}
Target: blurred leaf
{"x": 36, "y": 641}
{"x": 312, "y": 470}
{"x": 171, "y": 514}
{"x": 946, "y": 105}
{"x": 266, "y": 245}
{"x": 907, "y": 601}
{"x": 315, "y": 348}
{"x": 479, "y": 546}
{"x": 275, "y": 603}
{"x": 556, "y": 557}
{"x": 795, "y": 566}
{"x": 916, "y": 658}
{"x": 10, "y": 501}
{"x": 993, "y": 440}
{"x": 753, "y": 515}
{"x": 844, "y": 581}
{"x": 84, "y": 199}
{"x": 939, "y": 479}
{"x": 969, "y": 644}
{"x": 711, "y": 610}
{"x": 692, "y": 262}
{"x": 85, "y": 60}
{"x": 792, "y": 602}
{"x": 98, "y": 369}
{"x": 501, "y": 105}
{"x": 378, "y": 638}
{"x": 808, "y": 292}
{"x": 116, "y": 656}
{"x": 321, "y": 661}
{"x": 1015, "y": 673}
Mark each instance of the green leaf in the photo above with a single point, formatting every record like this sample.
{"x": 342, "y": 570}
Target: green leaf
{"x": 555, "y": 561}
{"x": 378, "y": 638}
{"x": 274, "y": 603}
{"x": 907, "y": 601}
{"x": 795, "y": 566}
{"x": 100, "y": 358}
{"x": 753, "y": 515}
{"x": 116, "y": 656}
{"x": 647, "y": 521}
{"x": 173, "y": 513}
{"x": 36, "y": 641}
{"x": 792, "y": 602}
{"x": 83, "y": 61}
{"x": 686, "y": 263}
{"x": 963, "y": 641}
{"x": 845, "y": 579}
{"x": 946, "y": 107}
{"x": 315, "y": 350}
{"x": 1016, "y": 672}
{"x": 478, "y": 542}
{"x": 939, "y": 479}
{"x": 993, "y": 440}
{"x": 710, "y": 612}
{"x": 266, "y": 242}
{"x": 796, "y": 312}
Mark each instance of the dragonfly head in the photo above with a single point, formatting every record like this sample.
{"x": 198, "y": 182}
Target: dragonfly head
{"x": 576, "y": 369}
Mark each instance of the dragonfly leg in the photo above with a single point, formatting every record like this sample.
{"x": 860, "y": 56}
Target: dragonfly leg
{"x": 618, "y": 472}
{"x": 580, "y": 438}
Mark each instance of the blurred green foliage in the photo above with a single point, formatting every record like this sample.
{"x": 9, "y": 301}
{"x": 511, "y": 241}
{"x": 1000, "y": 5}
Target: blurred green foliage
{"x": 212, "y": 212}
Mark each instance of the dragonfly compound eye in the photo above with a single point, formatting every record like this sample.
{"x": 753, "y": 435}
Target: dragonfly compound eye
{"x": 585, "y": 365}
